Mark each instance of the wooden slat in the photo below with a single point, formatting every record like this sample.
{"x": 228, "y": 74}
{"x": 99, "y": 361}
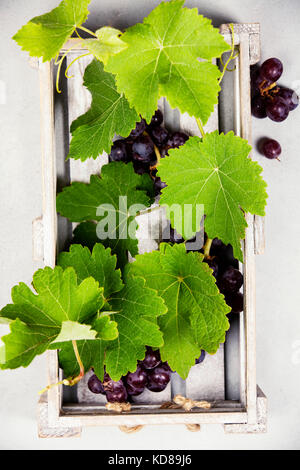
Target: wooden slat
{"x": 249, "y": 249}
{"x": 49, "y": 207}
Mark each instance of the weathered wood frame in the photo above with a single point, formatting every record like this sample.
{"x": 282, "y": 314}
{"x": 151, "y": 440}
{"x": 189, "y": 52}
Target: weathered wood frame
{"x": 247, "y": 415}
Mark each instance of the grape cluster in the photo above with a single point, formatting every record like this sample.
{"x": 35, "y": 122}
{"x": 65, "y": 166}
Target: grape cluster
{"x": 270, "y": 100}
{"x": 143, "y": 145}
{"x": 228, "y": 277}
{"x": 151, "y": 373}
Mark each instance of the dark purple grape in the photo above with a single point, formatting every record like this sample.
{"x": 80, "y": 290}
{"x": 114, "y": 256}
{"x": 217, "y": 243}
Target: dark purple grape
{"x": 136, "y": 382}
{"x": 158, "y": 185}
{"x": 175, "y": 237}
{"x": 158, "y": 379}
{"x": 235, "y": 301}
{"x": 271, "y": 69}
{"x": 143, "y": 149}
{"x": 159, "y": 135}
{"x": 152, "y": 359}
{"x": 231, "y": 280}
{"x": 157, "y": 119}
{"x": 176, "y": 139}
{"x": 118, "y": 394}
{"x": 95, "y": 385}
{"x": 166, "y": 366}
{"x": 217, "y": 247}
{"x": 271, "y": 148}
{"x": 201, "y": 358}
{"x": 277, "y": 109}
{"x": 289, "y": 96}
{"x": 118, "y": 152}
{"x": 213, "y": 264}
{"x": 141, "y": 168}
{"x": 258, "y": 107}
{"x": 138, "y": 130}
{"x": 109, "y": 384}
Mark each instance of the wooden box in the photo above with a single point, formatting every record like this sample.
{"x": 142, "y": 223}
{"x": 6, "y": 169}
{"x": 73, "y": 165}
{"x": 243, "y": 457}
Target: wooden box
{"x": 227, "y": 379}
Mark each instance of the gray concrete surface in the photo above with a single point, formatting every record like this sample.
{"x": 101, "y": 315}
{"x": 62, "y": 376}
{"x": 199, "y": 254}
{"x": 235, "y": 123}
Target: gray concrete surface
{"x": 278, "y": 270}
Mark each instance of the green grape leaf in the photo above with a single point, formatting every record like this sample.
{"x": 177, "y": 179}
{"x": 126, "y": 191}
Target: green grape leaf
{"x": 44, "y": 36}
{"x": 162, "y": 59}
{"x": 100, "y": 264}
{"x": 217, "y": 173}
{"x": 91, "y": 353}
{"x": 196, "y": 317}
{"x": 39, "y": 318}
{"x": 107, "y": 44}
{"x": 106, "y": 328}
{"x": 72, "y": 330}
{"x": 110, "y": 114}
{"x": 114, "y": 197}
{"x": 135, "y": 310}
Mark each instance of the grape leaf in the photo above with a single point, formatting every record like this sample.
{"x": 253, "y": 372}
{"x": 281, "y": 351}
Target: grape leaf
{"x": 196, "y": 317}
{"x": 44, "y": 36}
{"x": 162, "y": 60}
{"x": 39, "y": 318}
{"x": 217, "y": 173}
{"x": 91, "y": 354}
{"x": 72, "y": 330}
{"x": 107, "y": 44}
{"x": 113, "y": 193}
{"x": 109, "y": 114}
{"x": 135, "y": 310}
{"x": 99, "y": 264}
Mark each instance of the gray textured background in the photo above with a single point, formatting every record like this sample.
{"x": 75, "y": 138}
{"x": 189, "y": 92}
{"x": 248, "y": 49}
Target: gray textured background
{"x": 278, "y": 270}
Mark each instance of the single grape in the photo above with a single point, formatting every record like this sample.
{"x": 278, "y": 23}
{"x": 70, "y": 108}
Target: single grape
{"x": 109, "y": 385}
{"x": 289, "y": 96}
{"x": 95, "y": 385}
{"x": 158, "y": 379}
{"x": 258, "y": 107}
{"x": 117, "y": 394}
{"x": 152, "y": 359}
{"x": 118, "y": 152}
{"x": 277, "y": 109}
{"x": 235, "y": 300}
{"x": 213, "y": 263}
{"x": 217, "y": 247}
{"x": 141, "y": 168}
{"x": 159, "y": 135}
{"x": 201, "y": 358}
{"x": 271, "y": 148}
{"x": 260, "y": 84}
{"x": 271, "y": 69}
{"x": 176, "y": 139}
{"x": 138, "y": 130}
{"x": 143, "y": 149}
{"x": 156, "y": 120}
{"x": 231, "y": 280}
{"x": 175, "y": 237}
{"x": 158, "y": 185}
{"x": 136, "y": 382}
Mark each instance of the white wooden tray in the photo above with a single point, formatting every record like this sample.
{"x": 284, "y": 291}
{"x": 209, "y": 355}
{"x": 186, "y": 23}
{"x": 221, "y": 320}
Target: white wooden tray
{"x": 227, "y": 378}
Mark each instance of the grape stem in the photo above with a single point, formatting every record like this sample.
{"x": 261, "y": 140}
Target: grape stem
{"x": 206, "y": 247}
{"x": 87, "y": 31}
{"x": 73, "y": 61}
{"x": 200, "y": 125}
{"x": 157, "y": 153}
{"x": 71, "y": 380}
{"x": 232, "y": 56}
